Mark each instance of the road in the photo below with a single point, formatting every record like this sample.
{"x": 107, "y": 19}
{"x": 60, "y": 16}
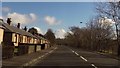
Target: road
{"x": 64, "y": 56}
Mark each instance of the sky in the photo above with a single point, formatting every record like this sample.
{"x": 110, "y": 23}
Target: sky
{"x": 58, "y": 16}
{"x": 59, "y": 0}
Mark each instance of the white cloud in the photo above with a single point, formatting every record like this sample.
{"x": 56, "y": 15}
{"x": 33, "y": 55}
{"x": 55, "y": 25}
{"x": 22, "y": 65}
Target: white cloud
{"x": 111, "y": 21}
{"x": 107, "y": 21}
{"x": 22, "y": 18}
{"x": 51, "y": 20}
{"x": 39, "y": 30}
{"x": 60, "y": 33}
{"x": 1, "y": 17}
{"x": 33, "y": 16}
{"x": 70, "y": 32}
{"x": 5, "y": 9}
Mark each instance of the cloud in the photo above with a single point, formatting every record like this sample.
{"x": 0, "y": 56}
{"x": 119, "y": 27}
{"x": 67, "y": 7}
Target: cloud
{"x": 6, "y": 9}
{"x": 51, "y": 20}
{"x": 110, "y": 20}
{"x": 22, "y": 18}
{"x": 39, "y": 30}
{"x": 70, "y": 32}
{"x": 33, "y": 16}
{"x": 1, "y": 17}
{"x": 60, "y": 33}
{"x": 107, "y": 21}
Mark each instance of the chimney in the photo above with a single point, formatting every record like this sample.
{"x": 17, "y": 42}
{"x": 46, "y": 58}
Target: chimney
{"x": 25, "y": 28}
{"x": 18, "y": 26}
{"x": 9, "y": 21}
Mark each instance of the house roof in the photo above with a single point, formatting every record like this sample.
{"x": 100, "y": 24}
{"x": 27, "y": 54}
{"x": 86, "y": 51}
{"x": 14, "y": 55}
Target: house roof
{"x": 1, "y": 26}
{"x": 14, "y": 29}
{"x": 40, "y": 36}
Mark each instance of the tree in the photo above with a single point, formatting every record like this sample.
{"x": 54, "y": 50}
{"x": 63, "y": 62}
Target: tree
{"x": 100, "y": 33}
{"x": 78, "y": 38}
{"x": 50, "y": 36}
{"x": 95, "y": 36}
{"x": 33, "y": 30}
{"x": 112, "y": 11}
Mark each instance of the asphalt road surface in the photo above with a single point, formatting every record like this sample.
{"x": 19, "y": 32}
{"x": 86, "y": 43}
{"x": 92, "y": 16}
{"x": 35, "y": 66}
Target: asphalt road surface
{"x": 66, "y": 57}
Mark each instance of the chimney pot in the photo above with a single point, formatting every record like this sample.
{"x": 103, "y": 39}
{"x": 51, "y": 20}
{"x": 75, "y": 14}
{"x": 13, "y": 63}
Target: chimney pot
{"x": 9, "y": 21}
{"x": 18, "y": 26}
{"x": 25, "y": 28}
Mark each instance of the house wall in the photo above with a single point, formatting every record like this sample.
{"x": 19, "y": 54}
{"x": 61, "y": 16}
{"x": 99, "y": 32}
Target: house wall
{"x": 20, "y": 39}
{"x": 1, "y": 34}
{"x": 7, "y": 38}
{"x": 31, "y": 41}
{"x": 24, "y": 39}
{"x": 35, "y": 41}
{"x": 15, "y": 39}
{"x": 41, "y": 41}
{"x": 28, "y": 39}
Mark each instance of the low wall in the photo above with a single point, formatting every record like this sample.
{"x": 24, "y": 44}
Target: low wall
{"x": 22, "y": 49}
{"x": 7, "y": 52}
{"x": 38, "y": 48}
{"x": 31, "y": 49}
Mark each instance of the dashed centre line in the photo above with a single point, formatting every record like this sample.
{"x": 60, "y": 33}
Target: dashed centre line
{"x": 76, "y": 53}
{"x": 73, "y": 51}
{"x": 94, "y": 66}
{"x": 83, "y": 58}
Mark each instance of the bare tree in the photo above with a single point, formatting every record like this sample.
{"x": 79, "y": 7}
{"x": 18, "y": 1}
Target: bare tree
{"x": 100, "y": 33}
{"x": 112, "y": 11}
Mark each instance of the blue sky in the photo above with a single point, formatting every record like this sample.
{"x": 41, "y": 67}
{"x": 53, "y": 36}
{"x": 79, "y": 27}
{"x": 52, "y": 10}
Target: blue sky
{"x": 55, "y": 15}
{"x": 56, "y": 0}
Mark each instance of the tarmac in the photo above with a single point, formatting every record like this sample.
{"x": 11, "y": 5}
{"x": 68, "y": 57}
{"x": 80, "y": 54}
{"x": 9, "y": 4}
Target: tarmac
{"x": 32, "y": 58}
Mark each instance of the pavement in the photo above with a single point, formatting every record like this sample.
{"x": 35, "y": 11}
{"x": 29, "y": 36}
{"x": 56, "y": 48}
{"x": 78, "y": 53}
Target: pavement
{"x": 27, "y": 59}
{"x": 62, "y": 57}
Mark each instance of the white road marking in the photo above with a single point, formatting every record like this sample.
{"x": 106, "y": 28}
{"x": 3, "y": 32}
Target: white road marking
{"x": 51, "y": 51}
{"x": 73, "y": 51}
{"x": 83, "y": 58}
{"x": 34, "y": 60}
{"x": 40, "y": 57}
{"x": 76, "y": 53}
{"x": 46, "y": 53}
{"x": 94, "y": 66}
{"x": 56, "y": 48}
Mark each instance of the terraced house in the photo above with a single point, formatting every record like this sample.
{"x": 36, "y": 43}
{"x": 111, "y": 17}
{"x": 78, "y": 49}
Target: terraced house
{"x": 18, "y": 41}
